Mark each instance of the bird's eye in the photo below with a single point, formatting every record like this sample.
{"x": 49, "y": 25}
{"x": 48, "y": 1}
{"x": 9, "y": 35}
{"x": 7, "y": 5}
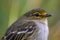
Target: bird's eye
{"x": 36, "y": 14}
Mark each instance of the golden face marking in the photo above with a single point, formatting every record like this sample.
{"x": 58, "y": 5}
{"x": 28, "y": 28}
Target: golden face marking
{"x": 39, "y": 14}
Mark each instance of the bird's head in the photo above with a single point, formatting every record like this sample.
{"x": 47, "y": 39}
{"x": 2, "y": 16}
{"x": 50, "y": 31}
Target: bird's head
{"x": 37, "y": 14}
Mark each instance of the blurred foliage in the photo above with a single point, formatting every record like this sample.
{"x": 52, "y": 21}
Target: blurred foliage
{"x": 10, "y": 10}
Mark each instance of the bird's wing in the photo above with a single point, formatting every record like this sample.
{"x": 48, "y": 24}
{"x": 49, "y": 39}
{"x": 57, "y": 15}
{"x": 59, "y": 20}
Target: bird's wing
{"x": 20, "y": 32}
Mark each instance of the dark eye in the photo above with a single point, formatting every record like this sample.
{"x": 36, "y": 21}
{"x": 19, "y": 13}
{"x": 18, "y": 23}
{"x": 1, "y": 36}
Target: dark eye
{"x": 36, "y": 14}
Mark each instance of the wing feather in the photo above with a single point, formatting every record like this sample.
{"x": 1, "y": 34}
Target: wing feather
{"x": 20, "y": 32}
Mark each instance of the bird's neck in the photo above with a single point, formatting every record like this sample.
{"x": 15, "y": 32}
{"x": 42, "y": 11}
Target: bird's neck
{"x": 45, "y": 21}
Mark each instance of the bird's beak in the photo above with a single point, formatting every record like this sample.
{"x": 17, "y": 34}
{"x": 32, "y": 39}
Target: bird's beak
{"x": 48, "y": 15}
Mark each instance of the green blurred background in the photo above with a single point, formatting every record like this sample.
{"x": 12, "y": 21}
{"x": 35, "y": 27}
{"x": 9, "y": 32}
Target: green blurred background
{"x": 10, "y": 10}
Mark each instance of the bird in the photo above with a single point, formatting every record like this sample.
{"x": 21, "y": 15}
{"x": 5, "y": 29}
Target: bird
{"x": 33, "y": 25}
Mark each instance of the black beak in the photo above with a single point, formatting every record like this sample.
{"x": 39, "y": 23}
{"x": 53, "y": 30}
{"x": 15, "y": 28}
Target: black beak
{"x": 48, "y": 15}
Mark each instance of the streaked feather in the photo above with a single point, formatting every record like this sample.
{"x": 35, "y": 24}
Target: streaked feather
{"x": 23, "y": 31}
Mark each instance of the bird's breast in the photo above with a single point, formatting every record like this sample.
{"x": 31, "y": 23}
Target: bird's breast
{"x": 42, "y": 33}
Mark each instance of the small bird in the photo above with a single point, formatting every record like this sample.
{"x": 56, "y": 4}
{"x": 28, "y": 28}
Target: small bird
{"x": 33, "y": 25}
